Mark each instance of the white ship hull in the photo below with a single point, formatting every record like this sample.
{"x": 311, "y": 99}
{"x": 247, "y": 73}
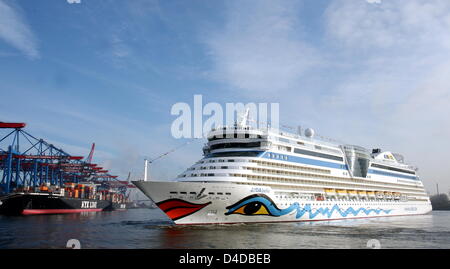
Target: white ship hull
{"x": 218, "y": 203}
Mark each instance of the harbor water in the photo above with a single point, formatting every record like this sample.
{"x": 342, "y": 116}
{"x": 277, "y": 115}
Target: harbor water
{"x": 150, "y": 228}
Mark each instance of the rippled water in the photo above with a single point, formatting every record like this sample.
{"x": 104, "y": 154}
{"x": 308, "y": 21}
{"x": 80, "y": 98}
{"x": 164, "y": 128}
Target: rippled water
{"x": 150, "y": 228}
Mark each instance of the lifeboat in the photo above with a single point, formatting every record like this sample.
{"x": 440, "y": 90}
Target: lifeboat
{"x": 371, "y": 193}
{"x": 330, "y": 192}
{"x": 320, "y": 198}
{"x": 396, "y": 195}
{"x": 362, "y": 193}
{"x": 352, "y": 193}
{"x": 342, "y": 192}
{"x": 379, "y": 194}
{"x": 388, "y": 195}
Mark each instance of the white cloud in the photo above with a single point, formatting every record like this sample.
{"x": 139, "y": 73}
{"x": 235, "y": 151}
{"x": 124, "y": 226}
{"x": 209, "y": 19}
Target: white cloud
{"x": 397, "y": 90}
{"x": 392, "y": 24}
{"x": 393, "y": 49}
{"x": 260, "y": 48}
{"x": 118, "y": 47}
{"x": 15, "y": 31}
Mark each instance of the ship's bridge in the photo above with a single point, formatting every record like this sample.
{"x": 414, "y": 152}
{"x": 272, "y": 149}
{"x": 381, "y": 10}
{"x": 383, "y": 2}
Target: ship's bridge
{"x": 236, "y": 131}
{"x": 235, "y": 138}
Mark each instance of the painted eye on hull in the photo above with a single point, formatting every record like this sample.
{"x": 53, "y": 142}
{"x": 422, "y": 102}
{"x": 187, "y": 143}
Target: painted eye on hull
{"x": 253, "y": 208}
{"x": 253, "y": 205}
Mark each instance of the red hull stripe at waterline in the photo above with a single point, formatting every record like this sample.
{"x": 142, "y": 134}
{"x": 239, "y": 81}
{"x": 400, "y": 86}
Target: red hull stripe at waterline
{"x": 57, "y": 211}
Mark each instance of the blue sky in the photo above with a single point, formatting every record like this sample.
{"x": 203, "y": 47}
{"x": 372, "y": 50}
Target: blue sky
{"x": 368, "y": 72}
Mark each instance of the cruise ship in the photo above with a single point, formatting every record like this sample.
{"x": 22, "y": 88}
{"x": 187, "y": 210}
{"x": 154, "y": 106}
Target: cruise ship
{"x": 252, "y": 175}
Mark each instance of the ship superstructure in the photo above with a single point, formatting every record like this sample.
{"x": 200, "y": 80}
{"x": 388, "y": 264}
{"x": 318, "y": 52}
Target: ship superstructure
{"x": 267, "y": 175}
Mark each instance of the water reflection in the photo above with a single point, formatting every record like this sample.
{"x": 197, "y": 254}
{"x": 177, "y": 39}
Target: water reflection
{"x": 150, "y": 228}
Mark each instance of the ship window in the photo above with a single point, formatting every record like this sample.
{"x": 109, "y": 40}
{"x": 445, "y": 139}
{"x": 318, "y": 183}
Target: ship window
{"x": 235, "y": 154}
{"x": 318, "y": 154}
{"x": 392, "y": 168}
{"x": 224, "y": 135}
{"x": 236, "y": 145}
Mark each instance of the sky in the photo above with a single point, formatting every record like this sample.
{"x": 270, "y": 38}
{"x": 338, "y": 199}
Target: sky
{"x": 374, "y": 73}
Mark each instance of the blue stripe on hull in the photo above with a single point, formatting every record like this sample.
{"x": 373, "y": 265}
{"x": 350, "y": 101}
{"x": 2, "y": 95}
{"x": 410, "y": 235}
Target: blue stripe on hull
{"x": 302, "y": 160}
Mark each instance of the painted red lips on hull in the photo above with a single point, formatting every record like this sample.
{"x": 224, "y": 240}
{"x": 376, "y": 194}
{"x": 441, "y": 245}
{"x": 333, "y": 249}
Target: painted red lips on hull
{"x": 177, "y": 209}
